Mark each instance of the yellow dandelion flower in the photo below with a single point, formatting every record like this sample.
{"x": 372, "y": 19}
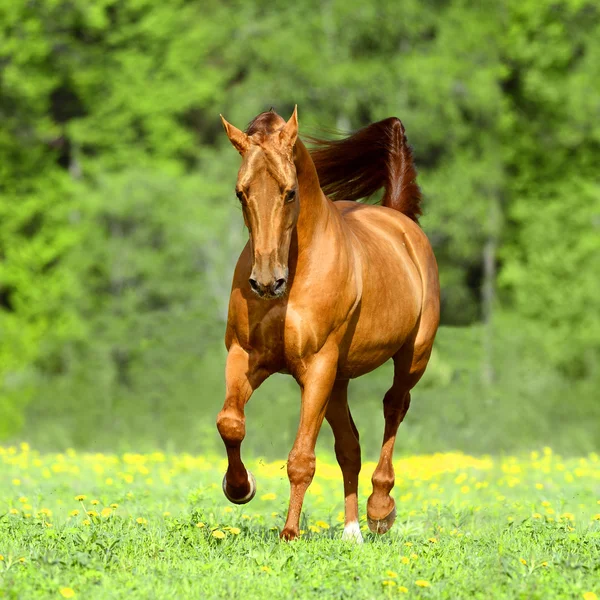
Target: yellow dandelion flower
{"x": 391, "y": 574}
{"x": 80, "y": 497}
{"x": 568, "y": 516}
{"x": 522, "y": 561}
{"x": 539, "y": 486}
{"x": 268, "y": 497}
{"x": 265, "y": 569}
{"x": 46, "y": 511}
{"x": 432, "y": 540}
{"x": 314, "y": 529}
{"x": 389, "y": 582}
{"x": 166, "y": 513}
{"x": 14, "y": 511}
{"x": 536, "y": 516}
{"x": 544, "y": 563}
{"x": 22, "y": 559}
{"x": 114, "y": 505}
{"x": 235, "y": 530}
{"x": 67, "y": 592}
{"x": 414, "y": 556}
{"x": 27, "y": 515}
{"x": 1, "y": 557}
{"x": 405, "y": 560}
{"x": 510, "y": 518}
{"x": 22, "y": 499}
{"x": 596, "y": 517}
{"x": 200, "y": 525}
{"x": 106, "y": 512}
{"x": 402, "y": 589}
{"x": 550, "y": 511}
{"x": 422, "y": 583}
{"x": 95, "y": 502}
{"x": 545, "y": 503}
{"x": 141, "y": 521}
{"x": 228, "y": 509}
{"x": 26, "y": 507}
{"x": 248, "y": 517}
{"x": 86, "y": 522}
{"x": 590, "y": 596}
{"x": 16, "y": 482}
{"x": 129, "y": 495}
{"x": 74, "y": 513}
{"x": 217, "y": 533}
{"x": 49, "y": 525}
{"x": 322, "y": 524}
{"x": 92, "y": 513}
{"x": 465, "y": 489}
{"x": 109, "y": 481}
{"x": 408, "y": 544}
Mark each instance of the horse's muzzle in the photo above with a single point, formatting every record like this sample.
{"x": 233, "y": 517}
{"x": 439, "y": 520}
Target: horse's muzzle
{"x": 273, "y": 289}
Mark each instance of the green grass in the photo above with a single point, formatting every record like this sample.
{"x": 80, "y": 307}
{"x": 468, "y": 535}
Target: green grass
{"x": 512, "y": 527}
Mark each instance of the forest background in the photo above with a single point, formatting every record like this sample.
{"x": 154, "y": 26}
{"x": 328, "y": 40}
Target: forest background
{"x": 119, "y": 227}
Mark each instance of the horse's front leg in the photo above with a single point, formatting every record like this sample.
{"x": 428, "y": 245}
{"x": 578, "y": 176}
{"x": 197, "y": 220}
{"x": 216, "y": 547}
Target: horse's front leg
{"x": 316, "y": 383}
{"x": 242, "y": 377}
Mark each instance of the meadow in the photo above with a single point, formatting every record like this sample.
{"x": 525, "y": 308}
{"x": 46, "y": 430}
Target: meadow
{"x": 91, "y": 525}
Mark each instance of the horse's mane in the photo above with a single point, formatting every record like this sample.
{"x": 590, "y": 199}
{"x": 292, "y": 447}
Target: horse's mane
{"x": 266, "y": 123}
{"x": 373, "y": 157}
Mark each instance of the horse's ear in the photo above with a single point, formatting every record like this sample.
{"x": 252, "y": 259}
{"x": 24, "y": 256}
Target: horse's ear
{"x": 289, "y": 133}
{"x": 236, "y": 136}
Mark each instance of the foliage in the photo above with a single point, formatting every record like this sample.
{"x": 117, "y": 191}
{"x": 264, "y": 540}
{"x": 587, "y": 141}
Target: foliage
{"x": 119, "y": 230}
{"x": 157, "y": 525}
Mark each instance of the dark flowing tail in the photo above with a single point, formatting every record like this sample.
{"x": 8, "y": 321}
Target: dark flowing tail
{"x": 375, "y": 156}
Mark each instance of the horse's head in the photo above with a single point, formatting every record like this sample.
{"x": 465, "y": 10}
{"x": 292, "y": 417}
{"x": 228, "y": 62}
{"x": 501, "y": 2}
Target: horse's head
{"x": 267, "y": 188}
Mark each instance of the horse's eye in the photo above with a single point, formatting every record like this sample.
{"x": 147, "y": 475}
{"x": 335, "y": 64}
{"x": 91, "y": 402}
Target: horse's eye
{"x": 290, "y": 195}
{"x": 240, "y": 195}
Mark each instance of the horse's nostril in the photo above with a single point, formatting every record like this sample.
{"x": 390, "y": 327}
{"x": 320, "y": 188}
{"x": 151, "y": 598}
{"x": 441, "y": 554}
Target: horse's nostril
{"x": 279, "y": 284}
{"x": 254, "y": 284}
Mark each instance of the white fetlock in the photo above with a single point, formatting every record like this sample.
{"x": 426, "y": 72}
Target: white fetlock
{"x": 247, "y": 497}
{"x": 352, "y": 533}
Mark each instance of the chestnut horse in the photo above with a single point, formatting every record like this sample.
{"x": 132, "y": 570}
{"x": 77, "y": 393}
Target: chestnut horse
{"x": 327, "y": 291}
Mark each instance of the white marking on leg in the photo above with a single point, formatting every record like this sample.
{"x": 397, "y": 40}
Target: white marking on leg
{"x": 352, "y": 532}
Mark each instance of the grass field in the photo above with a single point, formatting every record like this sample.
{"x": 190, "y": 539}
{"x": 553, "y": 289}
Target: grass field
{"x": 158, "y": 526}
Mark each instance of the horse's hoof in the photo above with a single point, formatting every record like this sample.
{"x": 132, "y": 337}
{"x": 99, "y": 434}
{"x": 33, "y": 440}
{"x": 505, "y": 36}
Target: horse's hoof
{"x": 288, "y": 535}
{"x": 382, "y": 525}
{"x": 248, "y": 496}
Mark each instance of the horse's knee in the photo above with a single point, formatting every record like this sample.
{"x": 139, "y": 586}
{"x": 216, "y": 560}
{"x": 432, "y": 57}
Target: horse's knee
{"x": 301, "y": 467}
{"x": 231, "y": 426}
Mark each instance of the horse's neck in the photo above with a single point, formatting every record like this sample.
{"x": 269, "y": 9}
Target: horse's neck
{"x": 315, "y": 208}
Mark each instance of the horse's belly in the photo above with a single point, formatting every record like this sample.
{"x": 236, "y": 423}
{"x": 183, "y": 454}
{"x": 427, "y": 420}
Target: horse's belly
{"x": 387, "y": 317}
{"x": 370, "y": 347}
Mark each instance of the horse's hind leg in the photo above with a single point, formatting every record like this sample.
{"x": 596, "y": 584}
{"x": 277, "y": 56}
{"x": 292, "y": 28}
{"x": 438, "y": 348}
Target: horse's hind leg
{"x": 409, "y": 365}
{"x": 381, "y": 508}
{"x": 347, "y": 451}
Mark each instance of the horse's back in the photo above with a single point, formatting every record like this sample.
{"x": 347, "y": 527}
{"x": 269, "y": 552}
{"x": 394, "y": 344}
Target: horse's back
{"x": 400, "y": 288}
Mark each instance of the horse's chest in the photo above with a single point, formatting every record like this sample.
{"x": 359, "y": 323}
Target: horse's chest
{"x": 287, "y": 336}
